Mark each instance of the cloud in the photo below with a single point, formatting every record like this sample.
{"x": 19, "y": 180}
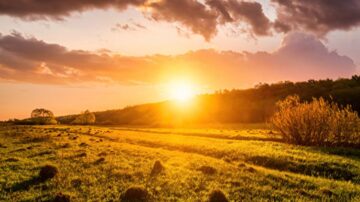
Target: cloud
{"x": 243, "y": 11}
{"x": 317, "y": 16}
{"x": 199, "y": 17}
{"x": 31, "y": 60}
{"x": 300, "y": 57}
{"x": 50, "y": 9}
{"x": 189, "y": 13}
{"x": 205, "y": 16}
{"x": 128, "y": 27}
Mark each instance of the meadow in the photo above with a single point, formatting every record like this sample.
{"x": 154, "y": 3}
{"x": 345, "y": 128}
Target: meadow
{"x": 246, "y": 163}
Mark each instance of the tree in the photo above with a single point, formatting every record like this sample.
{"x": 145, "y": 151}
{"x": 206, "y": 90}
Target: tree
{"x": 39, "y": 116}
{"x": 41, "y": 113}
{"x": 85, "y": 118}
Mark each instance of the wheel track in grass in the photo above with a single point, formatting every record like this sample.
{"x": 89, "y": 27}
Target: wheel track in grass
{"x": 213, "y": 135}
{"x": 204, "y": 135}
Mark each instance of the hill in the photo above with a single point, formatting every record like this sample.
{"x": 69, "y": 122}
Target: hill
{"x": 230, "y": 106}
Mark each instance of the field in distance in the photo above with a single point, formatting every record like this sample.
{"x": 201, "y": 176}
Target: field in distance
{"x": 246, "y": 163}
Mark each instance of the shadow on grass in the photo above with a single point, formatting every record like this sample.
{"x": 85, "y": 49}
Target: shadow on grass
{"x": 43, "y": 153}
{"x": 212, "y": 135}
{"x": 350, "y": 153}
{"x": 25, "y": 185}
{"x": 331, "y": 170}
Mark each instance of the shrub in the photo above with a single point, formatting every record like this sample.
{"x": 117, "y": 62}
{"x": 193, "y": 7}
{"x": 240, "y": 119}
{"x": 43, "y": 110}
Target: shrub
{"x": 60, "y": 197}
{"x": 217, "y": 196}
{"x": 37, "y": 121}
{"x": 208, "y": 170}
{"x": 136, "y": 194}
{"x": 47, "y": 172}
{"x": 85, "y": 118}
{"x": 319, "y": 123}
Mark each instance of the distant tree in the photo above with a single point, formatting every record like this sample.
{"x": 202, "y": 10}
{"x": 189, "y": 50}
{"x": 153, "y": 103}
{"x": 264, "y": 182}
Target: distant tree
{"x": 41, "y": 112}
{"x": 39, "y": 116}
{"x": 85, "y": 118}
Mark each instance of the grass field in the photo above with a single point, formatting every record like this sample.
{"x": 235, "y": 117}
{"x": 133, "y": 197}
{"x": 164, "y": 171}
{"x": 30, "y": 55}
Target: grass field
{"x": 101, "y": 163}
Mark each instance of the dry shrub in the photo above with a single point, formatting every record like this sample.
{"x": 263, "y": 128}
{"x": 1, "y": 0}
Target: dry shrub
{"x": 157, "y": 168}
{"x": 208, "y": 170}
{"x": 318, "y": 123}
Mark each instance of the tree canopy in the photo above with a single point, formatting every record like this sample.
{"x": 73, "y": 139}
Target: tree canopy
{"x": 41, "y": 112}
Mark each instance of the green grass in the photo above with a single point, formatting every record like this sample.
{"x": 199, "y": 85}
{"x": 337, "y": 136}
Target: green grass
{"x": 100, "y": 163}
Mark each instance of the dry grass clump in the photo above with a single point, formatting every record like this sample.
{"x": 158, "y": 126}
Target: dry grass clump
{"x": 100, "y": 160}
{"x": 157, "y": 168}
{"x": 136, "y": 194}
{"x": 208, "y": 170}
{"x": 61, "y": 198}
{"x": 217, "y": 196}
{"x": 318, "y": 123}
{"x": 47, "y": 172}
{"x": 11, "y": 159}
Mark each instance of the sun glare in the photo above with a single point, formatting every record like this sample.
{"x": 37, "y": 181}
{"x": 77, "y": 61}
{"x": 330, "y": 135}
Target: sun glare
{"x": 181, "y": 90}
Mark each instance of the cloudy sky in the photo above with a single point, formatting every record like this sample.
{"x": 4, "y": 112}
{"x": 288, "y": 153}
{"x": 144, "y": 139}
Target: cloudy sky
{"x": 69, "y": 56}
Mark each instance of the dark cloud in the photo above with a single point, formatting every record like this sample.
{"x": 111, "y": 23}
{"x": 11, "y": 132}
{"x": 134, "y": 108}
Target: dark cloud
{"x": 221, "y": 7}
{"x": 189, "y": 13}
{"x": 317, "y": 16}
{"x": 252, "y": 13}
{"x": 300, "y": 57}
{"x": 198, "y": 16}
{"x": 203, "y": 16}
{"x": 231, "y": 11}
{"x": 54, "y": 9}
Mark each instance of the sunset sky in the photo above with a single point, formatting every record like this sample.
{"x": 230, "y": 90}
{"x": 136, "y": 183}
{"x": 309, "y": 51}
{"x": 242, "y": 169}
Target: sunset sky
{"x": 69, "y": 56}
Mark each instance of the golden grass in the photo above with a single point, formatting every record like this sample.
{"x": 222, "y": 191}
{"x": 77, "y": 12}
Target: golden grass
{"x": 101, "y": 163}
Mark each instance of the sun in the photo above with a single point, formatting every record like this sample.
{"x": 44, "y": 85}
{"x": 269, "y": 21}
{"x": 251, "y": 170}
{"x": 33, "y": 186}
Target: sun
{"x": 181, "y": 90}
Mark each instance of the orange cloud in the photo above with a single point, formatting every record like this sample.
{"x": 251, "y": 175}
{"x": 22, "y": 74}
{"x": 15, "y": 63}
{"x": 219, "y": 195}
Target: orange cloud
{"x": 300, "y": 57}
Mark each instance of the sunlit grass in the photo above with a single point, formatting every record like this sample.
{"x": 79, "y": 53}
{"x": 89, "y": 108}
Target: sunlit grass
{"x": 100, "y": 163}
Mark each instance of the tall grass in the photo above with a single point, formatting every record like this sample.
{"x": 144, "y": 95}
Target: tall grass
{"x": 319, "y": 123}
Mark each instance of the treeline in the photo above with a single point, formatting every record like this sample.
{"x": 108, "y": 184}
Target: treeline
{"x": 43, "y": 116}
{"x": 231, "y": 106}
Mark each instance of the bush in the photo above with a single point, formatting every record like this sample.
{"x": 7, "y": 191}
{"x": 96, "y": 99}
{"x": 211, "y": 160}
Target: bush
{"x": 37, "y": 121}
{"x": 319, "y": 123}
{"x": 217, "y": 196}
{"x": 85, "y": 118}
{"x": 62, "y": 198}
{"x": 136, "y": 194}
{"x": 47, "y": 172}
